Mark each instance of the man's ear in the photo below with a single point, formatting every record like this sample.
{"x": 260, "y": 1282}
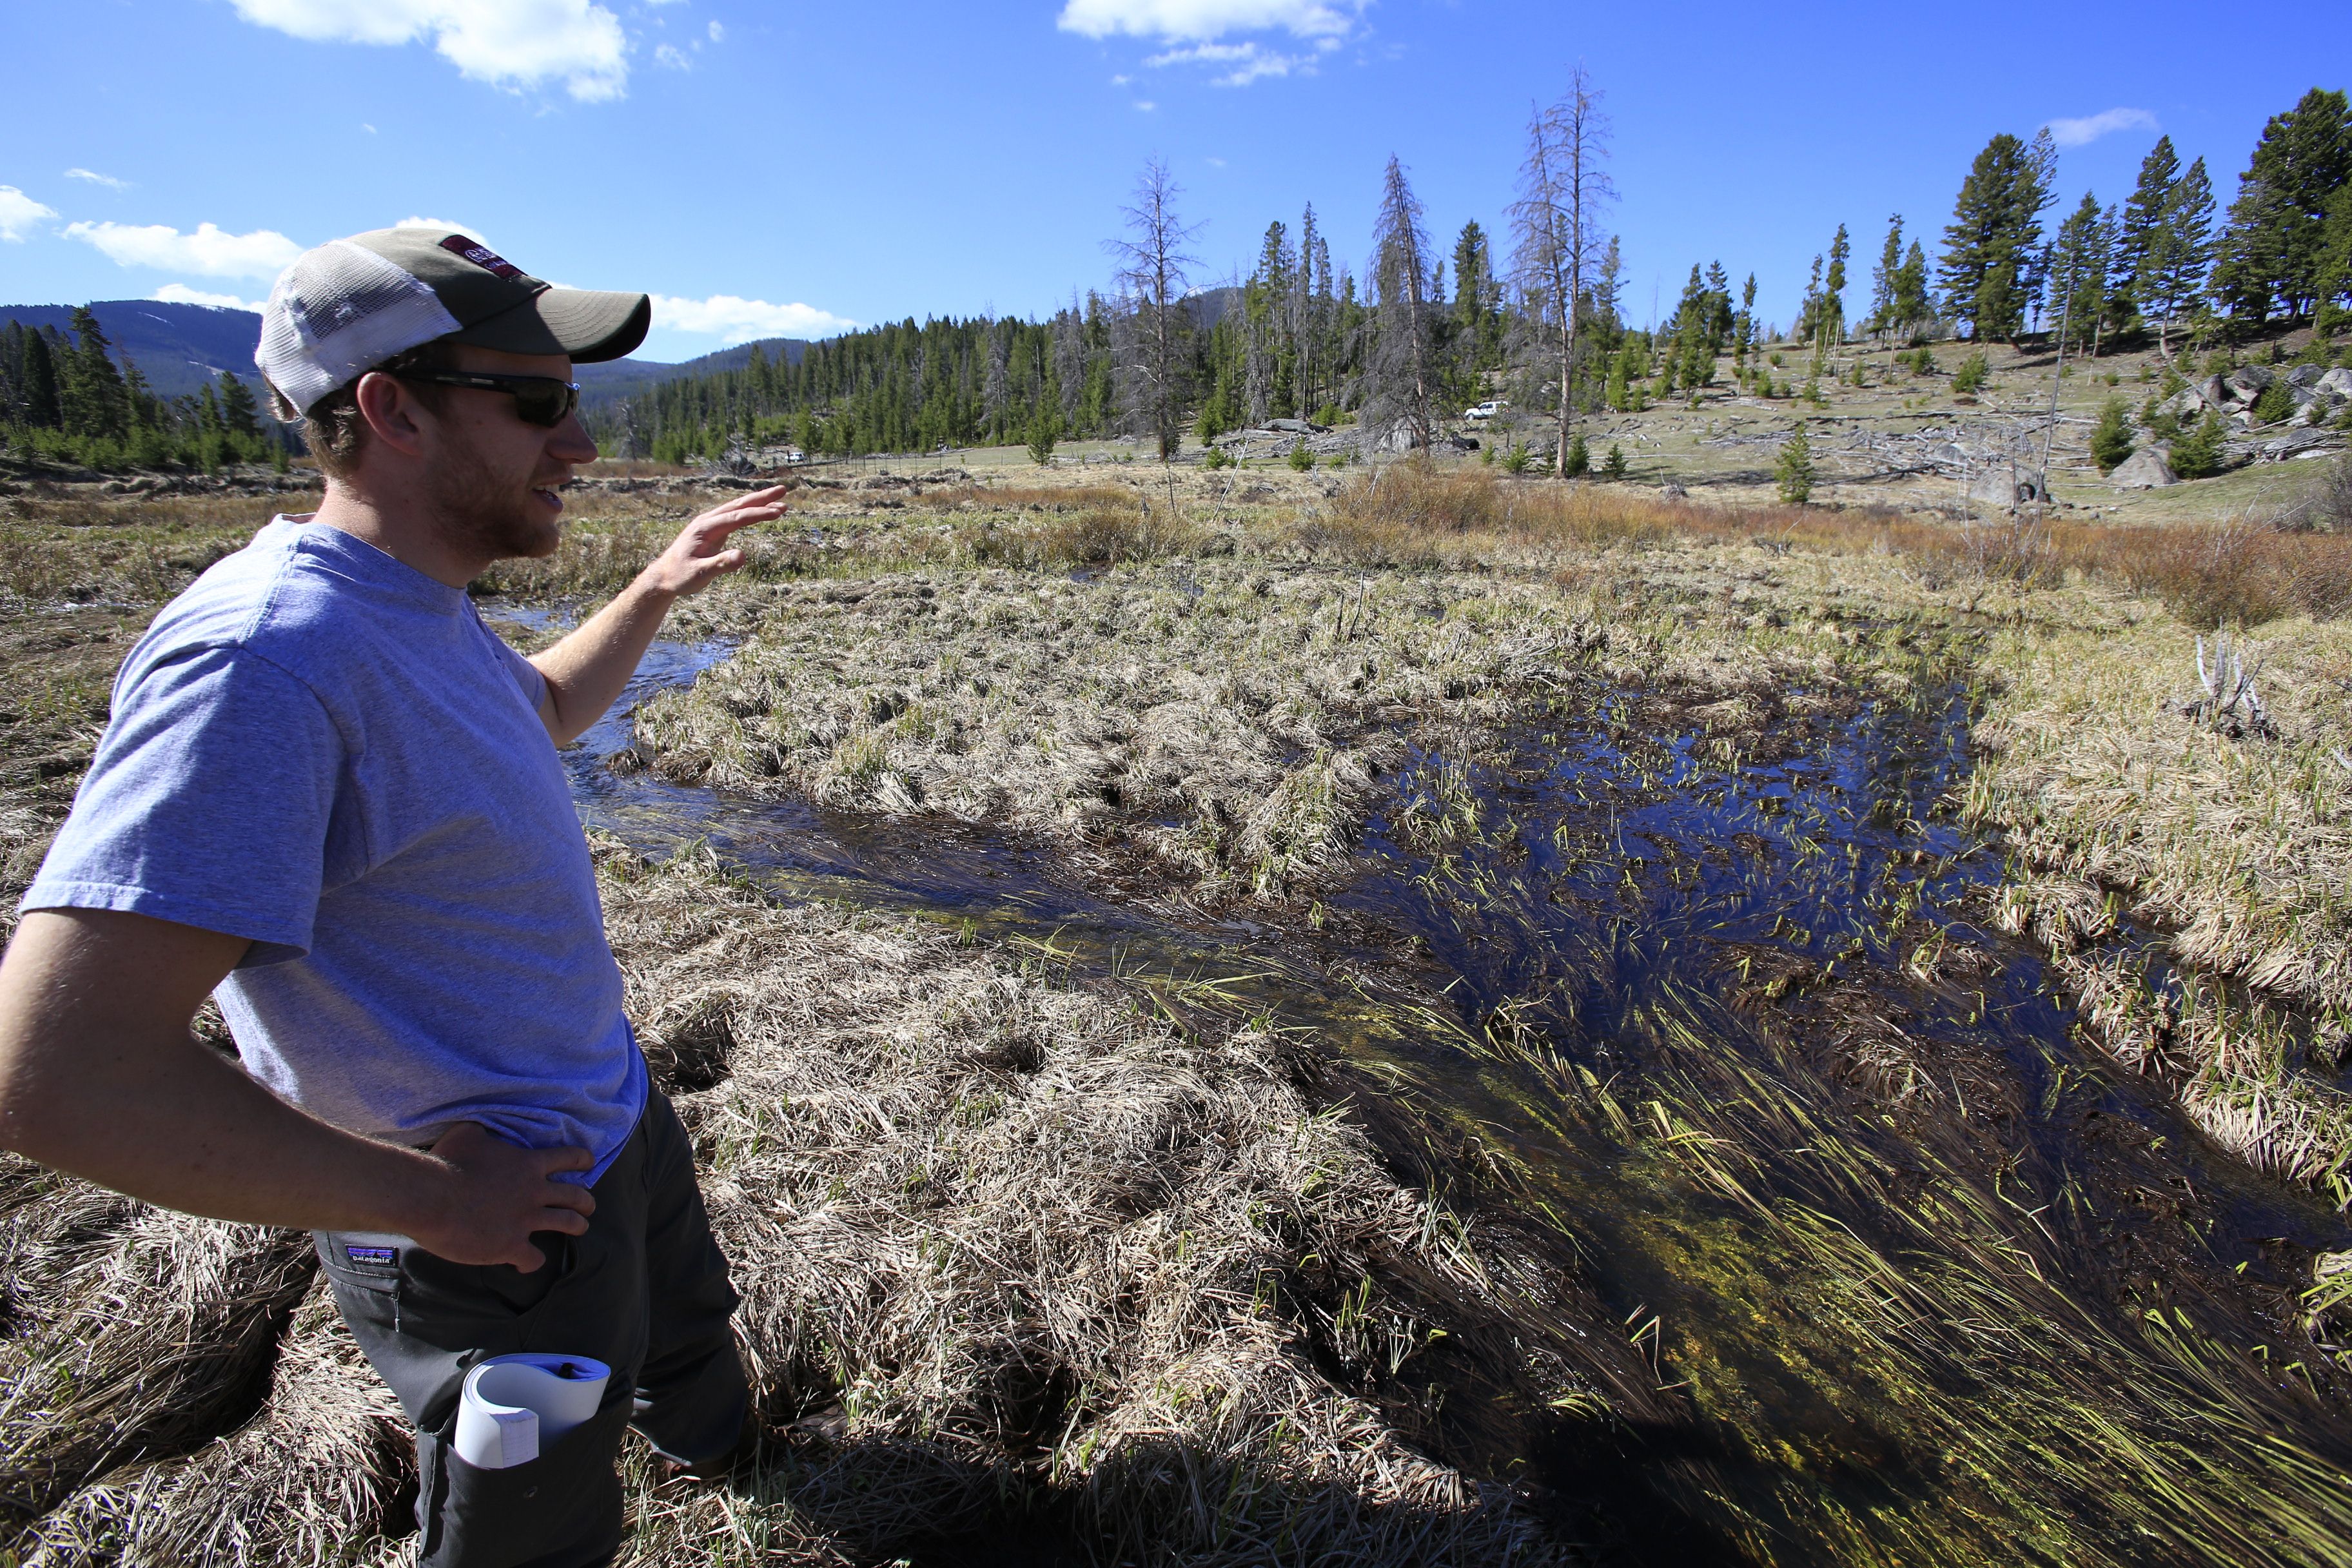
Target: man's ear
{"x": 392, "y": 412}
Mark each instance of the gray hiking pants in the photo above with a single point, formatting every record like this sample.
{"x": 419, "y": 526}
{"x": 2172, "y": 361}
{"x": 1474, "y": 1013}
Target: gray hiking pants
{"x": 644, "y": 1290}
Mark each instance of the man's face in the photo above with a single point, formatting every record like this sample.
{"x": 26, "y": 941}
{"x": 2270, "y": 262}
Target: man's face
{"x": 494, "y": 478}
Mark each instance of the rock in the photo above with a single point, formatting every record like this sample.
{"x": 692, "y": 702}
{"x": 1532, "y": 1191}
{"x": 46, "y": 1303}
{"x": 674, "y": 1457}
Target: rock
{"x": 1298, "y": 427}
{"x": 2247, "y": 382}
{"x": 2189, "y": 402}
{"x": 2337, "y": 380}
{"x": 1672, "y": 491}
{"x": 2303, "y": 376}
{"x": 2149, "y": 468}
{"x": 2005, "y": 488}
{"x": 2213, "y": 392}
{"x": 2295, "y": 444}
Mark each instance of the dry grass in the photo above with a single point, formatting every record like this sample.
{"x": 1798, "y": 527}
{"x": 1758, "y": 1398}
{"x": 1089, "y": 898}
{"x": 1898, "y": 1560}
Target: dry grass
{"x": 2241, "y": 848}
{"x": 1013, "y": 1241}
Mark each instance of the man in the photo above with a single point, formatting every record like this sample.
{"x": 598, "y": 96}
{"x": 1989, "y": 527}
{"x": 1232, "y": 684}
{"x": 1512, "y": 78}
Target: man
{"x": 330, "y": 798}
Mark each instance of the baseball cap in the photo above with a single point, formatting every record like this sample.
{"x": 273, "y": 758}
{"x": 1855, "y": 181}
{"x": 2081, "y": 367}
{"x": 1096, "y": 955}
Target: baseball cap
{"x": 347, "y": 306}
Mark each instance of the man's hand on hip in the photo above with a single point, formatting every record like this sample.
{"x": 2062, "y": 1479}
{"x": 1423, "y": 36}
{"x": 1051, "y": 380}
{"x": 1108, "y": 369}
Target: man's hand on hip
{"x": 499, "y": 1194}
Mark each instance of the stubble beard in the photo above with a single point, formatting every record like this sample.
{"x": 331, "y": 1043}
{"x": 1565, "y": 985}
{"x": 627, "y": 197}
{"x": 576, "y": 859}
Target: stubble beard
{"x": 479, "y": 512}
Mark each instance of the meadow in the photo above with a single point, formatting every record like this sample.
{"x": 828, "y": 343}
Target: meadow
{"x": 1612, "y": 1026}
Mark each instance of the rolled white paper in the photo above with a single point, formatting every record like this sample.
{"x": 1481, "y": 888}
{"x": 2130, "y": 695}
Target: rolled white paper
{"x": 512, "y": 1403}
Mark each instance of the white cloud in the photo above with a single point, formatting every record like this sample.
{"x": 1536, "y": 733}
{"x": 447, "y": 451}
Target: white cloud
{"x": 1247, "y": 62}
{"x": 95, "y": 178}
{"x": 511, "y": 44}
{"x": 1120, "y": 80}
{"x": 718, "y": 34}
{"x": 445, "y": 226}
{"x": 210, "y": 252}
{"x": 181, "y": 294}
{"x": 734, "y": 320}
{"x": 19, "y": 214}
{"x": 1146, "y": 105}
{"x": 2091, "y": 127}
{"x": 668, "y": 56}
{"x": 1203, "y": 21}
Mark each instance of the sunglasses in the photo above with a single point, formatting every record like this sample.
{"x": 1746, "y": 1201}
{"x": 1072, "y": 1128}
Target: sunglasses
{"x": 539, "y": 400}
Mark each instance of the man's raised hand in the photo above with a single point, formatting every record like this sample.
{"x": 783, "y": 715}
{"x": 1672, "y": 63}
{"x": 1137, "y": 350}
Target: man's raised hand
{"x": 698, "y": 556}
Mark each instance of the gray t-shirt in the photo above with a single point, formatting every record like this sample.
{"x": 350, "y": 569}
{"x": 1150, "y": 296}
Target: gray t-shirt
{"x": 326, "y": 751}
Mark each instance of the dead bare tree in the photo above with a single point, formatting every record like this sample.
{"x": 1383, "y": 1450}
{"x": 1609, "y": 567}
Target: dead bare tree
{"x": 1403, "y": 361}
{"x": 1556, "y": 223}
{"x": 1154, "y": 362}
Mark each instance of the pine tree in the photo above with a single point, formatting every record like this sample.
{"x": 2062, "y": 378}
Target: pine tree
{"x": 92, "y": 401}
{"x": 1743, "y": 326}
{"x": 2111, "y": 439}
{"x": 1613, "y": 467}
{"x": 2335, "y": 264}
{"x": 2143, "y": 215}
{"x": 1152, "y": 332}
{"x": 40, "y": 395}
{"x": 1044, "y": 430}
{"x": 2198, "y": 453}
{"x": 1989, "y": 264}
{"x": 1562, "y": 190}
{"x": 2170, "y": 280}
{"x": 1912, "y": 307}
{"x": 1885, "y": 278}
{"x": 1795, "y": 467}
{"x": 1831, "y": 326}
{"x": 237, "y": 413}
{"x": 1404, "y": 362}
{"x": 2269, "y": 253}
{"x": 2078, "y": 271}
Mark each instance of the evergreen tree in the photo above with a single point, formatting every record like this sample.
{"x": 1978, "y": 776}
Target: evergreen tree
{"x": 1743, "y": 325}
{"x": 1044, "y": 430}
{"x": 42, "y": 410}
{"x": 1989, "y": 267}
{"x": 1884, "y": 278}
{"x": 1794, "y": 470}
{"x": 2170, "y": 280}
{"x": 1831, "y": 326}
{"x": 1477, "y": 338}
{"x": 93, "y": 404}
{"x": 1912, "y": 307}
{"x": 1580, "y": 457}
{"x": 2198, "y": 453}
{"x": 1153, "y": 351}
{"x": 2078, "y": 273}
{"x": 2336, "y": 263}
{"x": 2111, "y": 439}
{"x": 237, "y": 415}
{"x": 2270, "y": 252}
{"x": 2143, "y": 216}
{"x": 1613, "y": 467}
{"x": 1401, "y": 384}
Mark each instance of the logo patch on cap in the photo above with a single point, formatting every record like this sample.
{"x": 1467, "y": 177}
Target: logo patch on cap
{"x": 481, "y": 255}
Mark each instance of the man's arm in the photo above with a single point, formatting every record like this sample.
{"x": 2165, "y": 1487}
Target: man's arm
{"x": 586, "y": 670}
{"x": 100, "y": 1077}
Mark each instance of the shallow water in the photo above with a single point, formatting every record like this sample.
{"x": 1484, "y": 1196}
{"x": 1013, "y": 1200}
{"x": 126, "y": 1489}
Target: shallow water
{"x": 1914, "y": 1275}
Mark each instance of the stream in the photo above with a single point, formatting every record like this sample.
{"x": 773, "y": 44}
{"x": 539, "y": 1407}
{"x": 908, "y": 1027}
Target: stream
{"x": 1909, "y": 1273}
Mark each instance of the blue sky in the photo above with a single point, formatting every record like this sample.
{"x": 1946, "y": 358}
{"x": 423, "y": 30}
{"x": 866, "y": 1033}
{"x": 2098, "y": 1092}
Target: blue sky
{"x": 787, "y": 169}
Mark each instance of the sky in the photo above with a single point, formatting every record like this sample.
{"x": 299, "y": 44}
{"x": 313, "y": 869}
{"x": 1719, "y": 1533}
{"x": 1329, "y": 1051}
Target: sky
{"x": 788, "y": 169}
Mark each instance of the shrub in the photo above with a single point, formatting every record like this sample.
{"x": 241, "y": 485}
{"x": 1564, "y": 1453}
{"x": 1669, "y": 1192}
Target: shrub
{"x": 2198, "y": 453}
{"x": 1615, "y": 465}
{"x": 1974, "y": 372}
{"x": 1216, "y": 458}
{"x": 1301, "y": 460}
{"x": 1580, "y": 457}
{"x": 2274, "y": 404}
{"x": 2111, "y": 439}
{"x": 1516, "y": 459}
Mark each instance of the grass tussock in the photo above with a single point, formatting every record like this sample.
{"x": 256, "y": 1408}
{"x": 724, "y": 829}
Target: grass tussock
{"x": 152, "y": 1341}
{"x": 1001, "y": 1240}
{"x": 313, "y": 1478}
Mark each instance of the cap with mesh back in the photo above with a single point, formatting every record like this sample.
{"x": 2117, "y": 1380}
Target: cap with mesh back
{"x": 350, "y": 305}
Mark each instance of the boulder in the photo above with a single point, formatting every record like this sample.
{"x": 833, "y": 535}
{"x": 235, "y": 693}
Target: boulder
{"x": 2303, "y": 376}
{"x": 2145, "y": 470}
{"x": 2189, "y": 402}
{"x": 1298, "y": 427}
{"x": 2006, "y": 487}
{"x": 2213, "y": 392}
{"x": 2337, "y": 380}
{"x": 2247, "y": 382}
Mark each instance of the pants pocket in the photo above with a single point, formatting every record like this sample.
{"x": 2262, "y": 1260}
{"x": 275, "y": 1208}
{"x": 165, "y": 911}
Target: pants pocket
{"x": 561, "y": 1510}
